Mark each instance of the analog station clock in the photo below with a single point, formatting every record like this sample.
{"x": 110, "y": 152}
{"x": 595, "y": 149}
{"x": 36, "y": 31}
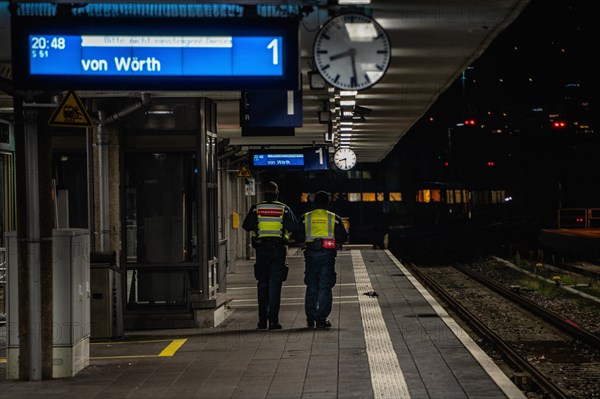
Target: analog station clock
{"x": 352, "y": 52}
{"x": 344, "y": 158}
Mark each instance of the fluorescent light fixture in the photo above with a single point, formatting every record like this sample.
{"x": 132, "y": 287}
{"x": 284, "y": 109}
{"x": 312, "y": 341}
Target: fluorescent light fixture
{"x": 341, "y": 2}
{"x": 160, "y": 111}
{"x": 347, "y": 103}
{"x": 361, "y": 32}
{"x": 348, "y": 93}
{"x": 348, "y": 113}
{"x": 345, "y": 134}
{"x": 345, "y": 128}
{"x": 346, "y": 123}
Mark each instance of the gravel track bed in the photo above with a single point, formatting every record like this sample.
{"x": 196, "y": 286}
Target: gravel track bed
{"x": 573, "y": 366}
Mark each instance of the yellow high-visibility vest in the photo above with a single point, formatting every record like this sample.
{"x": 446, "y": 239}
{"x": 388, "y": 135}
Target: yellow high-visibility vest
{"x": 270, "y": 219}
{"x": 319, "y": 224}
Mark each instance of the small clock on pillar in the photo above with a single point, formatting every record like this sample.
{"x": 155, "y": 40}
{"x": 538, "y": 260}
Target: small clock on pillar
{"x": 344, "y": 158}
{"x": 352, "y": 52}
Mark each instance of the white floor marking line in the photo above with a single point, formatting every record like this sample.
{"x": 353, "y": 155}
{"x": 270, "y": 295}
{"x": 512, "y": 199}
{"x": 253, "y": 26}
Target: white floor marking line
{"x": 505, "y": 384}
{"x": 387, "y": 378}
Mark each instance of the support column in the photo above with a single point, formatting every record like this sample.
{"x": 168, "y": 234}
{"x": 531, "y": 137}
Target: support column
{"x": 33, "y": 246}
{"x": 102, "y": 141}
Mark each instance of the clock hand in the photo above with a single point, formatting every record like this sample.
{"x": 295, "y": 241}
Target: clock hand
{"x": 352, "y": 58}
{"x": 349, "y": 52}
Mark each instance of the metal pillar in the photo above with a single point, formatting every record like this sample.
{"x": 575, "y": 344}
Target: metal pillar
{"x": 33, "y": 245}
{"x": 102, "y": 142}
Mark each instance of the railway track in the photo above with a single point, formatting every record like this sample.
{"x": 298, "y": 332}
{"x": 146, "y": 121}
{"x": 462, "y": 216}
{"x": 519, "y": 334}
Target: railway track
{"x": 550, "y": 359}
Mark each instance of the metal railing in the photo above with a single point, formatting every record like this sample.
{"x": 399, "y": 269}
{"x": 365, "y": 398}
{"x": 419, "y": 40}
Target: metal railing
{"x": 583, "y": 218}
{"x": 2, "y": 265}
{"x": 2, "y": 280}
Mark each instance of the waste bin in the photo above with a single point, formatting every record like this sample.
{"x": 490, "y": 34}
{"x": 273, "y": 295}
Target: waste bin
{"x": 106, "y": 311}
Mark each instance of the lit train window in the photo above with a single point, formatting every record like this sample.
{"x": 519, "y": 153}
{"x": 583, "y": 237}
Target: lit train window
{"x": 436, "y": 195}
{"x": 424, "y": 196}
{"x": 450, "y": 196}
{"x": 354, "y": 197}
{"x": 380, "y": 197}
{"x": 304, "y": 197}
{"x": 368, "y": 197}
{"x": 395, "y": 197}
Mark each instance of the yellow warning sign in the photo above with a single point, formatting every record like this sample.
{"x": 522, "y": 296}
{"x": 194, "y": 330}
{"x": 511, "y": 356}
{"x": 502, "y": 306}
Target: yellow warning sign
{"x": 71, "y": 113}
{"x": 244, "y": 172}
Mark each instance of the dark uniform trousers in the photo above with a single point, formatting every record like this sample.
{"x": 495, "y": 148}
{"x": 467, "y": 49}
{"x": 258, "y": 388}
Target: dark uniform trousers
{"x": 270, "y": 271}
{"x": 319, "y": 277}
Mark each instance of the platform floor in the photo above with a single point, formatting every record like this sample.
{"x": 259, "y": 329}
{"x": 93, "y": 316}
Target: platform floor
{"x": 579, "y": 242}
{"x": 399, "y": 344}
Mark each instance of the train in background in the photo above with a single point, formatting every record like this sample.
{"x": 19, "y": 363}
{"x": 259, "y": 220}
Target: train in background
{"x": 373, "y": 213}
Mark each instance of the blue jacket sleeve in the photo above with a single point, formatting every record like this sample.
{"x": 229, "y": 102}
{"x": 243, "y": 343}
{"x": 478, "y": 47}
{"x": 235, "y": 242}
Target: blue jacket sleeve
{"x": 290, "y": 222}
{"x": 251, "y": 221}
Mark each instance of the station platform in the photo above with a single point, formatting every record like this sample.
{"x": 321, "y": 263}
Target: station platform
{"x": 578, "y": 242}
{"x": 398, "y": 344}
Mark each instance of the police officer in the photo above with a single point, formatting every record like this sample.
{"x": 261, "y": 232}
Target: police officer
{"x": 271, "y": 223}
{"x": 323, "y": 233}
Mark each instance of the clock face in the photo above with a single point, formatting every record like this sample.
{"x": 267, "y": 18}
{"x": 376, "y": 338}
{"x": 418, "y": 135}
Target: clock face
{"x": 344, "y": 158}
{"x": 352, "y": 52}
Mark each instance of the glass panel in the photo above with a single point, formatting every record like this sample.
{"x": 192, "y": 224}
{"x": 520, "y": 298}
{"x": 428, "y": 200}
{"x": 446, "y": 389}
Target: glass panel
{"x": 160, "y": 200}
{"x": 159, "y": 287}
{"x": 69, "y": 173}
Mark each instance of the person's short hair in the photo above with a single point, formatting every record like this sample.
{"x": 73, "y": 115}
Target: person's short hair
{"x": 321, "y": 199}
{"x": 271, "y": 188}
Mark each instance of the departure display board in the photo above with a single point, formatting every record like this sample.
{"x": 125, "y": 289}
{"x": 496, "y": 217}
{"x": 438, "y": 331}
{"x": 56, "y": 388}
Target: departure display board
{"x": 308, "y": 159}
{"x": 284, "y": 159}
{"x": 167, "y": 54}
{"x": 120, "y": 55}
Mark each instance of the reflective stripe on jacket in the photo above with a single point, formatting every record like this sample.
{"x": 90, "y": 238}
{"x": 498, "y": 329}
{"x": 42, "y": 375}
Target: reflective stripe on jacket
{"x": 319, "y": 224}
{"x": 270, "y": 219}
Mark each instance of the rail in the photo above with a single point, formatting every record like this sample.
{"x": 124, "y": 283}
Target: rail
{"x": 583, "y": 218}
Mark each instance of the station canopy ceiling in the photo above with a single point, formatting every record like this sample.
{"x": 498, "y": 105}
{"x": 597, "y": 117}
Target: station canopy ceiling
{"x": 432, "y": 42}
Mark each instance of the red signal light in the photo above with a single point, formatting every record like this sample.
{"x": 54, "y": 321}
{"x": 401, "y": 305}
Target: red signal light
{"x": 446, "y": 163}
{"x": 470, "y": 122}
{"x": 490, "y": 163}
{"x": 559, "y": 124}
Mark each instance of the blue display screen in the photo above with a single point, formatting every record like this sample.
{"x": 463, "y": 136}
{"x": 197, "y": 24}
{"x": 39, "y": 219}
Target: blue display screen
{"x": 308, "y": 159}
{"x": 283, "y": 159}
{"x": 81, "y": 53}
{"x": 112, "y": 55}
{"x": 316, "y": 158}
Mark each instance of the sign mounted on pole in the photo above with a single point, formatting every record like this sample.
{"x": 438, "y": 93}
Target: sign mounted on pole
{"x": 250, "y": 187}
{"x": 244, "y": 172}
{"x": 71, "y": 113}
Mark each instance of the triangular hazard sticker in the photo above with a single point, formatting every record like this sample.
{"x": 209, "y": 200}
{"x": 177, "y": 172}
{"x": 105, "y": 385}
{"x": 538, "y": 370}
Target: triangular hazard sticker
{"x": 244, "y": 172}
{"x": 71, "y": 113}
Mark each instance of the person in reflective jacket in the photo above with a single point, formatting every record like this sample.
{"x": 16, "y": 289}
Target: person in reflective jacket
{"x": 271, "y": 223}
{"x": 323, "y": 233}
